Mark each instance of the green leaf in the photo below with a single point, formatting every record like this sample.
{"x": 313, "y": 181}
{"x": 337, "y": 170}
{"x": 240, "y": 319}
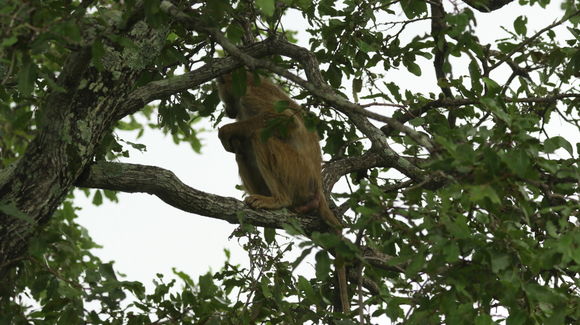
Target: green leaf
{"x": 322, "y": 265}
{"x": 267, "y": 6}
{"x": 499, "y": 262}
{"x": 365, "y": 47}
{"x": 69, "y": 316}
{"x": 417, "y": 263}
{"x": 98, "y": 198}
{"x": 98, "y": 51}
{"x": 394, "y": 90}
{"x": 457, "y": 226}
{"x": 518, "y": 162}
{"x": 304, "y": 4}
{"x": 269, "y": 235}
{"x": 265, "y": 286}
{"x": 480, "y": 192}
{"x": 151, "y": 7}
{"x": 138, "y": 146}
{"x": 68, "y": 211}
{"x": 172, "y": 37}
{"x": 356, "y": 85}
{"x": 334, "y": 76}
{"x": 517, "y": 317}
{"x": 27, "y": 76}
{"x": 9, "y": 41}
{"x": 492, "y": 86}
{"x": 475, "y": 75}
{"x": 194, "y": 143}
{"x": 484, "y": 319}
{"x": 413, "y": 8}
{"x": 413, "y": 67}
{"x": 10, "y": 209}
{"x": 111, "y": 195}
{"x": 235, "y": 33}
{"x": 52, "y": 84}
{"x": 216, "y": 9}
{"x": 451, "y": 252}
{"x": 72, "y": 31}
{"x": 210, "y": 103}
{"x": 206, "y": 286}
{"x": 520, "y": 25}
{"x": 553, "y": 143}
{"x": 306, "y": 288}
{"x": 417, "y": 121}
{"x": 495, "y": 107}
{"x": 107, "y": 271}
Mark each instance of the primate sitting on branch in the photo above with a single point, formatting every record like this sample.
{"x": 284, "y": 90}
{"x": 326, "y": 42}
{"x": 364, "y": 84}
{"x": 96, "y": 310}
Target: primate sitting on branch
{"x": 282, "y": 170}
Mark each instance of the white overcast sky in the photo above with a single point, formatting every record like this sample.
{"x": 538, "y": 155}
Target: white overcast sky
{"x": 145, "y": 236}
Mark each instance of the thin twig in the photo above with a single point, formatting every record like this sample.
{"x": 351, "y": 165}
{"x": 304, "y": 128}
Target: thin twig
{"x": 383, "y": 104}
{"x": 533, "y": 37}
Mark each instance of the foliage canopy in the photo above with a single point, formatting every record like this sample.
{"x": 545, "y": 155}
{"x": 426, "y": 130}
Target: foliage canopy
{"x": 462, "y": 204}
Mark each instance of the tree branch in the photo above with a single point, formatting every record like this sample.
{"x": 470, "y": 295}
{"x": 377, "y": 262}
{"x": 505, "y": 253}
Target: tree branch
{"x": 457, "y": 102}
{"x": 160, "y": 89}
{"x": 134, "y": 178}
{"x": 334, "y": 170}
{"x": 70, "y": 125}
{"x": 531, "y": 38}
{"x": 487, "y": 5}
{"x": 440, "y": 50}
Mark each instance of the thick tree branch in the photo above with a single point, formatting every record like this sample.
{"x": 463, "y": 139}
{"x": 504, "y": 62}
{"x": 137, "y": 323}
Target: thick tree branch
{"x": 487, "y": 5}
{"x": 418, "y": 137}
{"x": 160, "y": 89}
{"x": 334, "y": 170}
{"x": 133, "y": 178}
{"x": 70, "y": 125}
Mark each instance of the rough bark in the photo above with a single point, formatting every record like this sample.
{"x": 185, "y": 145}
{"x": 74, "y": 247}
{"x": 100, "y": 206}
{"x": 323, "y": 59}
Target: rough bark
{"x": 72, "y": 125}
{"x": 133, "y": 178}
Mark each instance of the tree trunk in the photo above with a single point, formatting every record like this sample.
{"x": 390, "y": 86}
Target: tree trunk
{"x": 71, "y": 124}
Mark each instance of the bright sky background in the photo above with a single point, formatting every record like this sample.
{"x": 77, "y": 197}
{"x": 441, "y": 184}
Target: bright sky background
{"x": 145, "y": 236}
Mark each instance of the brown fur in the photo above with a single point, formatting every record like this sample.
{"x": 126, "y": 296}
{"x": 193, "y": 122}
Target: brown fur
{"x": 284, "y": 170}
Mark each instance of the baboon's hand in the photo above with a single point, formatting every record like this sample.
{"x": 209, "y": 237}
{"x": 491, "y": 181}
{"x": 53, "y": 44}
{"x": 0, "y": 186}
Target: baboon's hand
{"x": 225, "y": 135}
